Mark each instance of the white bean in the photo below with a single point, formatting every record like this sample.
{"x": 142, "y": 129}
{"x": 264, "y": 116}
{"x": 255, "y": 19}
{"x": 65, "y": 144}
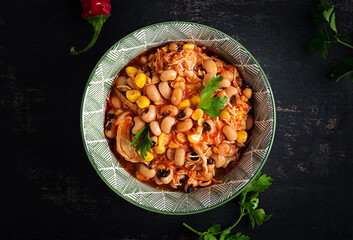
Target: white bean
{"x": 115, "y": 100}
{"x": 247, "y": 93}
{"x": 150, "y": 115}
{"x": 146, "y": 171}
{"x": 168, "y": 75}
{"x": 219, "y": 160}
{"x": 177, "y": 96}
{"x": 165, "y": 90}
{"x": 207, "y": 78}
{"x": 210, "y": 66}
{"x": 155, "y": 129}
{"x": 121, "y": 81}
{"x": 139, "y": 124}
{"x": 230, "y": 133}
{"x": 184, "y": 126}
{"x": 153, "y": 93}
{"x": 167, "y": 124}
{"x": 179, "y": 157}
{"x": 168, "y": 178}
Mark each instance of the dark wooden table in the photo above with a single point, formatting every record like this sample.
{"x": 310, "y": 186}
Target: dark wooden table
{"x": 51, "y": 191}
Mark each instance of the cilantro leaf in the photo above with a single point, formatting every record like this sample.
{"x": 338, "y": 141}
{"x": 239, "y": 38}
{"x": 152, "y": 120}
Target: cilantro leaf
{"x": 343, "y": 69}
{"x": 260, "y": 184}
{"x": 145, "y": 142}
{"x": 238, "y": 236}
{"x": 209, "y": 104}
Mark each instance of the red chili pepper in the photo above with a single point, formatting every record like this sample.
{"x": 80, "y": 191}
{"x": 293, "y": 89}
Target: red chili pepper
{"x": 96, "y": 12}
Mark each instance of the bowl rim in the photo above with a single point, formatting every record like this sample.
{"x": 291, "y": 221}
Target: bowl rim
{"x": 203, "y": 209}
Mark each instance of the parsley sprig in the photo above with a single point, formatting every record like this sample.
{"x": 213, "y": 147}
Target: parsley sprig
{"x": 145, "y": 142}
{"x": 248, "y": 206}
{"x": 328, "y": 35}
{"x": 209, "y": 104}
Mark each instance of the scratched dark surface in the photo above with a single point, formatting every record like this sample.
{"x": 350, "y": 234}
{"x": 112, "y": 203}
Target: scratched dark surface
{"x": 51, "y": 191}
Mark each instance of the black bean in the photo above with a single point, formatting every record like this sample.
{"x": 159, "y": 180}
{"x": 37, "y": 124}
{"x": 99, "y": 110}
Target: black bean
{"x": 210, "y": 161}
{"x": 123, "y": 92}
{"x": 190, "y": 188}
{"x": 153, "y": 144}
{"x": 207, "y": 126}
{"x": 162, "y": 173}
{"x": 232, "y": 99}
{"x": 209, "y": 145}
{"x": 181, "y": 114}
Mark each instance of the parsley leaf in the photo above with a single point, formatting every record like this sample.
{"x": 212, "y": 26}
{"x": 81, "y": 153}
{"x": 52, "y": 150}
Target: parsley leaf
{"x": 260, "y": 184}
{"x": 209, "y": 104}
{"x": 328, "y": 35}
{"x": 145, "y": 142}
{"x": 343, "y": 69}
{"x": 214, "y": 229}
{"x": 248, "y": 206}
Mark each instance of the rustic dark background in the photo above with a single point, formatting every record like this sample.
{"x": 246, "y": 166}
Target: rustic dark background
{"x": 51, "y": 191}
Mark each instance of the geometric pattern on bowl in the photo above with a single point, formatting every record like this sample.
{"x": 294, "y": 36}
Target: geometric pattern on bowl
{"x": 105, "y": 163}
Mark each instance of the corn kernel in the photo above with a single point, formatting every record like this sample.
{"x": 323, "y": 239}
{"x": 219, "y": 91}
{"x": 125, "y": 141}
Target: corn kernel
{"x": 242, "y": 136}
{"x": 215, "y": 150}
{"x": 179, "y": 79}
{"x": 181, "y": 137}
{"x": 163, "y": 139}
{"x": 143, "y": 102}
{"x": 140, "y": 80}
{"x": 185, "y": 103}
{"x": 133, "y": 95}
{"x": 131, "y": 71}
{"x": 244, "y": 99}
{"x": 151, "y": 56}
{"x": 197, "y": 114}
{"x": 179, "y": 85}
{"x": 225, "y": 115}
{"x": 194, "y": 138}
{"x": 159, "y": 149}
{"x": 188, "y": 46}
{"x": 165, "y": 49}
{"x": 149, "y": 157}
{"x": 240, "y": 116}
{"x": 195, "y": 100}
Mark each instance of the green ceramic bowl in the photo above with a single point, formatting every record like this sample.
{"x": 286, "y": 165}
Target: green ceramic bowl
{"x": 103, "y": 160}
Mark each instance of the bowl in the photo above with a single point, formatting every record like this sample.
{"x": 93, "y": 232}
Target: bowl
{"x": 140, "y": 194}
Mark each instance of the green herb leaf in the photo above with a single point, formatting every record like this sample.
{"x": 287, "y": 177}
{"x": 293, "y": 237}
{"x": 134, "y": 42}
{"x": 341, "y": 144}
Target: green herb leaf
{"x": 259, "y": 216}
{"x": 214, "y": 229}
{"x": 238, "y": 236}
{"x": 207, "y": 236}
{"x": 343, "y": 69}
{"x": 209, "y": 104}
{"x": 333, "y": 22}
{"x": 260, "y": 184}
{"x": 145, "y": 142}
{"x": 224, "y": 234}
{"x": 327, "y": 13}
